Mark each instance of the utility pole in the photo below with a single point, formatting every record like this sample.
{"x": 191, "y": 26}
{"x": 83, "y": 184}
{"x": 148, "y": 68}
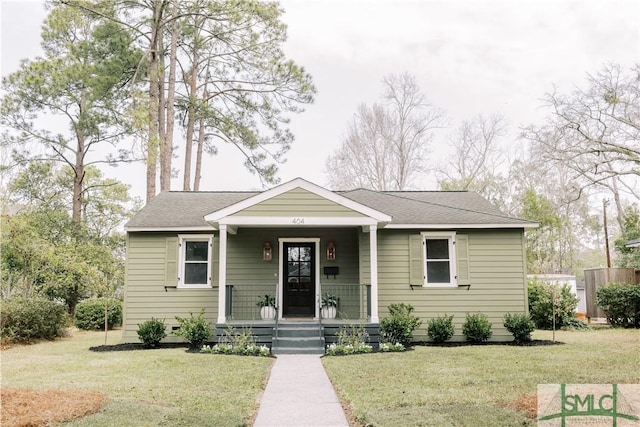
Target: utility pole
{"x": 606, "y": 233}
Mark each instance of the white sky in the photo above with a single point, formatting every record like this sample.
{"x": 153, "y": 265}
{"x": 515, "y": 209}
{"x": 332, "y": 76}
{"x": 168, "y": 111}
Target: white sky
{"x": 469, "y": 57}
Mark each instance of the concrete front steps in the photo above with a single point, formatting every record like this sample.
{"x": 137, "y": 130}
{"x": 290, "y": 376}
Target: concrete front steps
{"x": 298, "y": 338}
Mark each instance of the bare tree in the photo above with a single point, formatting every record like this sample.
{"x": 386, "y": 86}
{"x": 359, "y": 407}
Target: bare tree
{"x": 477, "y": 158}
{"x": 595, "y": 132}
{"x": 386, "y": 144}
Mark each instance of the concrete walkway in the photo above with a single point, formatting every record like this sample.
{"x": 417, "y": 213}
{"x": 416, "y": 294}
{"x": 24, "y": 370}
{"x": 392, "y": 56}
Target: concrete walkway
{"x": 299, "y": 393}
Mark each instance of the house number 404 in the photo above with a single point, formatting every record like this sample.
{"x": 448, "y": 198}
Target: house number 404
{"x": 298, "y": 220}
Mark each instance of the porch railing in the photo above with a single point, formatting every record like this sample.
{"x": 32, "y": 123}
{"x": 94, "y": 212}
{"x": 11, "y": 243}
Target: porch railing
{"x": 353, "y": 300}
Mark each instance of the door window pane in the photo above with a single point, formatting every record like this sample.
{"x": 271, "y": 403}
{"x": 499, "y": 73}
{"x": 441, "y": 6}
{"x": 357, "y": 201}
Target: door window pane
{"x": 293, "y": 254}
{"x": 305, "y": 269}
{"x": 305, "y": 254}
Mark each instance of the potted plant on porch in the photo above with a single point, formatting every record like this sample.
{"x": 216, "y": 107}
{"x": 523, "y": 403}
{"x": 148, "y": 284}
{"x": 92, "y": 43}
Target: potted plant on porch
{"x": 329, "y": 306}
{"x": 267, "y": 306}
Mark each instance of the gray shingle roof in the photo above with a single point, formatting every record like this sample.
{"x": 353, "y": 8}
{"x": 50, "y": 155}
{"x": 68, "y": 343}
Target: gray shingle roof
{"x": 184, "y": 209}
{"x": 176, "y": 209}
{"x": 432, "y": 207}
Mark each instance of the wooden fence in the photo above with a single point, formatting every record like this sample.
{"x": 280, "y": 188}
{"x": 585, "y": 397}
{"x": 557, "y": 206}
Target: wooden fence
{"x": 595, "y": 278}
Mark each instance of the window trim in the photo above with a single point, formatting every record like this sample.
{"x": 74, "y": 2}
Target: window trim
{"x": 182, "y": 239}
{"x": 453, "y": 262}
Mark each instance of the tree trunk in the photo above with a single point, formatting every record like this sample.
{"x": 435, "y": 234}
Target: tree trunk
{"x": 191, "y": 119}
{"x": 162, "y": 108}
{"x": 618, "y": 201}
{"x": 167, "y": 146}
{"x": 78, "y": 179}
{"x": 154, "y": 101}
{"x": 201, "y": 132}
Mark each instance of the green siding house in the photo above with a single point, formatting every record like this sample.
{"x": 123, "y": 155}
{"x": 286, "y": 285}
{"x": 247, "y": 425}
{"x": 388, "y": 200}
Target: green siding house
{"x": 442, "y": 252}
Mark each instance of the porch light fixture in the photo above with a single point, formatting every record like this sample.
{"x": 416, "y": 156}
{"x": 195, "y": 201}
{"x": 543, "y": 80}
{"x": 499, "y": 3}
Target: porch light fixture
{"x": 267, "y": 253}
{"x": 331, "y": 251}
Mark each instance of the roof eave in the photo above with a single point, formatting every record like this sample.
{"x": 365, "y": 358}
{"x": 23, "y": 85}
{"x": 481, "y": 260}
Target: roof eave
{"x": 458, "y": 225}
{"x": 170, "y": 228}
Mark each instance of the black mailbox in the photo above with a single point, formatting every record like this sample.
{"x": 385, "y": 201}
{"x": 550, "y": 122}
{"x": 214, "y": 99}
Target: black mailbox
{"x": 331, "y": 271}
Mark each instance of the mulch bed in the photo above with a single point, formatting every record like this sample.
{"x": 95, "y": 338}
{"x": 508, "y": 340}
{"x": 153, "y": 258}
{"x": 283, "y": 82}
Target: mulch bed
{"x": 532, "y": 343}
{"x": 139, "y": 346}
{"x": 34, "y": 408}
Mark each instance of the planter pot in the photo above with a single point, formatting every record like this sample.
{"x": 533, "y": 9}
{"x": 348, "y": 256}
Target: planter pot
{"x": 268, "y": 313}
{"x": 328, "y": 312}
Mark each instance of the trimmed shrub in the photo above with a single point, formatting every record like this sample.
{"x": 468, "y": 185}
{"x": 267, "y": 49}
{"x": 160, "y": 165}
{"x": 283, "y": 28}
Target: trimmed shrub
{"x": 440, "y": 329}
{"x": 541, "y": 304}
{"x": 90, "y": 314}
{"x": 194, "y": 329}
{"x": 476, "y": 327}
{"x": 152, "y": 332}
{"x": 520, "y": 326}
{"x": 399, "y": 327}
{"x": 28, "y": 319}
{"x": 621, "y": 304}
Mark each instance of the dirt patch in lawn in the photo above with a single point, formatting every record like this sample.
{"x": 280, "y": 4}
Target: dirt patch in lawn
{"x": 527, "y": 403}
{"x": 33, "y": 408}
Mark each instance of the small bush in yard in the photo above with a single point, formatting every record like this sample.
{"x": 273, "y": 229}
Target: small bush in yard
{"x": 234, "y": 342}
{"x": 440, "y": 329}
{"x": 476, "y": 327}
{"x": 194, "y": 329}
{"x": 152, "y": 332}
{"x": 90, "y": 313}
{"x": 520, "y": 326}
{"x": 621, "y": 304}
{"x": 541, "y": 301}
{"x": 352, "y": 339}
{"x": 399, "y": 326}
{"x": 26, "y": 319}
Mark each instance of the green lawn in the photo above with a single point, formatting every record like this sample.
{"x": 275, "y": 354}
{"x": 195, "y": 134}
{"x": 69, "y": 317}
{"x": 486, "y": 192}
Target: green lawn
{"x": 477, "y": 385}
{"x": 144, "y": 387}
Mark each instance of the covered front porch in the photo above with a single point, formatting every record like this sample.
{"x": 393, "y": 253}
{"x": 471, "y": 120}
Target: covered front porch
{"x": 290, "y": 247}
{"x": 295, "y": 272}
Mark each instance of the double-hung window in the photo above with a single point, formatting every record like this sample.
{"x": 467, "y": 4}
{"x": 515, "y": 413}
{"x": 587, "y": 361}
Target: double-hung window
{"x": 439, "y": 258}
{"x": 195, "y": 261}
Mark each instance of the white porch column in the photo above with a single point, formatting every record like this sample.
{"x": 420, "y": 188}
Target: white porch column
{"x": 222, "y": 275}
{"x": 373, "y": 262}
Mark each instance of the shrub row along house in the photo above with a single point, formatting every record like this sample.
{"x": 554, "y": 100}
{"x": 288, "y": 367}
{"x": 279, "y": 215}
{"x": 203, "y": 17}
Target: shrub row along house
{"x": 442, "y": 252}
